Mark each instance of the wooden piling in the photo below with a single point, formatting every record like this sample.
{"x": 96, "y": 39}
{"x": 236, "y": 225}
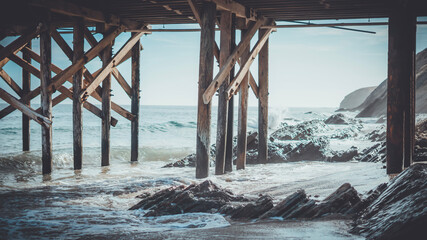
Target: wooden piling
{"x": 46, "y": 99}
{"x": 221, "y": 137}
{"x": 400, "y": 89}
{"x": 243, "y": 112}
{"x": 26, "y": 88}
{"x": 106, "y": 106}
{"x": 78, "y": 49}
{"x": 207, "y": 40}
{"x": 263, "y": 101}
{"x": 135, "y": 100}
{"x": 230, "y": 120}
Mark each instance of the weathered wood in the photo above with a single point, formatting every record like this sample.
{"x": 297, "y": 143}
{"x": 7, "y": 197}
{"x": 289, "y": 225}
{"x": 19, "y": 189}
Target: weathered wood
{"x": 46, "y": 100}
{"x": 263, "y": 100}
{"x": 26, "y": 88}
{"x": 243, "y": 71}
{"x": 12, "y": 84}
{"x": 135, "y": 100}
{"x": 121, "y": 80}
{"x": 40, "y": 119}
{"x": 221, "y": 136}
{"x": 230, "y": 120}
{"x": 9, "y": 109}
{"x": 111, "y": 64}
{"x": 243, "y": 112}
{"x": 106, "y": 104}
{"x": 231, "y": 61}
{"x": 78, "y": 47}
{"x": 236, "y": 8}
{"x": 206, "y": 61}
{"x": 18, "y": 44}
{"x": 400, "y": 84}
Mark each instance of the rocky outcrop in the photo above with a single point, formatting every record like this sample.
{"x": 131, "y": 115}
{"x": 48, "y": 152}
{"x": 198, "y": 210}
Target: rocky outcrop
{"x": 340, "y": 119}
{"x": 355, "y": 98}
{"x": 400, "y": 211}
{"x": 301, "y": 131}
{"x": 375, "y": 104}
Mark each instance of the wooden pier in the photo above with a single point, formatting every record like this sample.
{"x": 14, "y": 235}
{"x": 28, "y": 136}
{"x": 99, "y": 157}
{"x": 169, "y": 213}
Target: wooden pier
{"x": 44, "y": 19}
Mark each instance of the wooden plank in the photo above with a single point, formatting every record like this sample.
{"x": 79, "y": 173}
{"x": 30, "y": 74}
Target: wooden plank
{"x": 231, "y": 61}
{"x": 206, "y": 64}
{"x": 243, "y": 71}
{"x": 135, "y": 68}
{"x": 78, "y": 47}
{"x": 243, "y": 113}
{"x": 46, "y": 100}
{"x": 121, "y": 80}
{"x": 236, "y": 8}
{"x": 221, "y": 136}
{"x": 28, "y": 111}
{"x": 26, "y": 88}
{"x": 18, "y": 44}
{"x": 195, "y": 11}
{"x": 106, "y": 103}
{"x": 9, "y": 109}
{"x": 111, "y": 64}
{"x": 12, "y": 84}
{"x": 263, "y": 100}
{"x": 230, "y": 123}
{"x": 401, "y": 77}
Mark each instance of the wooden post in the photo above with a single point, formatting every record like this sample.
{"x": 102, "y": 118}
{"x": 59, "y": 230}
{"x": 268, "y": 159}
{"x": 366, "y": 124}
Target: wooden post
{"x": 230, "y": 123}
{"x": 106, "y": 106}
{"x": 46, "y": 99}
{"x": 243, "y": 112}
{"x": 221, "y": 137}
{"x": 207, "y": 40}
{"x": 400, "y": 89}
{"x": 263, "y": 101}
{"x": 26, "y": 88}
{"x": 78, "y": 45}
{"x": 135, "y": 101}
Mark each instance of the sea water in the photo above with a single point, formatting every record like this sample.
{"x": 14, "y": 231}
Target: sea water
{"x": 94, "y": 201}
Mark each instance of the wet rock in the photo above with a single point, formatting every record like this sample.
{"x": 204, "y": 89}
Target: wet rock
{"x": 340, "y": 119}
{"x": 376, "y": 153}
{"x": 311, "y": 150}
{"x": 287, "y": 205}
{"x": 400, "y": 211}
{"x": 343, "y": 156}
{"x": 382, "y": 119}
{"x": 253, "y": 210}
{"x": 302, "y": 131}
{"x": 377, "y": 135}
{"x": 203, "y": 197}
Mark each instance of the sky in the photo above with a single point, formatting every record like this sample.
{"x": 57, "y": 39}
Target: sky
{"x": 308, "y": 67}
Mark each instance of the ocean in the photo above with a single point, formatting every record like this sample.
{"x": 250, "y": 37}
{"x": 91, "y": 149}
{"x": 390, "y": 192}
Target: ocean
{"x": 94, "y": 202}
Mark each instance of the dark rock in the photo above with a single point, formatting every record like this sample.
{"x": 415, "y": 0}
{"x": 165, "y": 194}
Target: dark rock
{"x": 343, "y": 156}
{"x": 253, "y": 210}
{"x": 287, "y": 205}
{"x": 302, "y": 131}
{"x": 400, "y": 211}
{"x": 311, "y": 150}
{"x": 340, "y": 119}
{"x": 376, "y": 153}
{"x": 377, "y": 135}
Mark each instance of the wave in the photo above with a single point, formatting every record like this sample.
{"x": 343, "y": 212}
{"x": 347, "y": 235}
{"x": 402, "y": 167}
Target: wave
{"x": 166, "y": 126}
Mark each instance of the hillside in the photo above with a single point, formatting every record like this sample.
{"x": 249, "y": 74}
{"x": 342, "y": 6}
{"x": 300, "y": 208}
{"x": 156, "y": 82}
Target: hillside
{"x": 356, "y": 98}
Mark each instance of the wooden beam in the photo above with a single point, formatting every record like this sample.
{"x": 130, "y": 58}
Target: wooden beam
{"x": 111, "y": 64}
{"x": 12, "y": 84}
{"x": 195, "y": 11}
{"x": 245, "y": 68}
{"x": 46, "y": 100}
{"x": 18, "y": 44}
{"x": 400, "y": 89}
{"x": 105, "y": 77}
{"x": 206, "y": 64}
{"x": 231, "y": 61}
{"x": 263, "y": 100}
{"x": 91, "y": 15}
{"x": 230, "y": 123}
{"x": 135, "y": 68}
{"x": 221, "y": 136}
{"x": 236, "y": 8}
{"x": 26, "y": 88}
{"x": 243, "y": 112}
{"x": 28, "y": 111}
{"x": 121, "y": 80}
{"x": 78, "y": 47}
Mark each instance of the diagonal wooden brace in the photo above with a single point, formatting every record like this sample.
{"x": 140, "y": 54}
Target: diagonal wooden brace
{"x": 40, "y": 119}
{"x": 245, "y": 68}
{"x": 231, "y": 61}
{"x": 107, "y": 69}
{"x": 12, "y": 84}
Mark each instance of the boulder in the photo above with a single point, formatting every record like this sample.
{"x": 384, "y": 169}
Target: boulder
{"x": 302, "y": 131}
{"x": 340, "y": 119}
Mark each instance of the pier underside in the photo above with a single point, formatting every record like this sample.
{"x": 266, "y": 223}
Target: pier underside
{"x": 47, "y": 19}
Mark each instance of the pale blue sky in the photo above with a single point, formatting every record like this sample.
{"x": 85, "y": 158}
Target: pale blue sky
{"x": 309, "y": 67}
